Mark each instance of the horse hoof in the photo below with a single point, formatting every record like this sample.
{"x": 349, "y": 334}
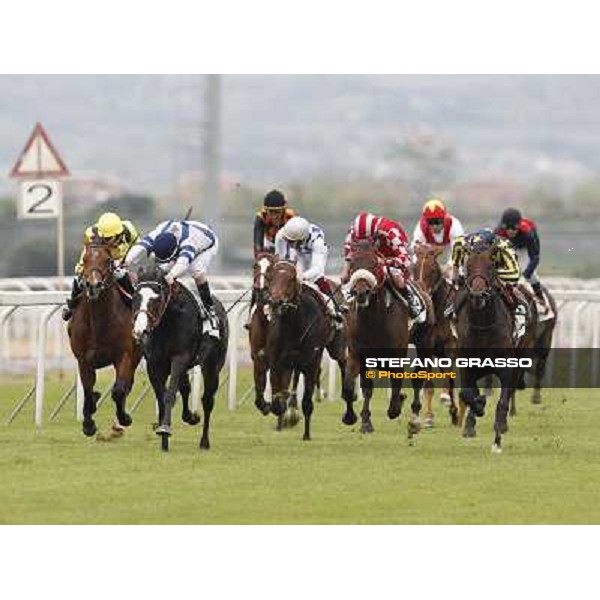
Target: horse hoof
{"x": 445, "y": 399}
{"x": 536, "y": 399}
{"x": 504, "y": 429}
{"x": 191, "y": 418}
{"x": 263, "y": 407}
{"x": 291, "y": 419}
{"x": 496, "y": 449}
{"x": 469, "y": 432}
{"x": 204, "y": 445}
{"x": 89, "y": 429}
{"x": 428, "y": 422}
{"x": 349, "y": 419}
{"x": 306, "y": 437}
{"x": 124, "y": 420}
{"x": 393, "y": 413}
{"x": 414, "y": 427}
{"x": 367, "y": 428}
{"x": 164, "y": 430}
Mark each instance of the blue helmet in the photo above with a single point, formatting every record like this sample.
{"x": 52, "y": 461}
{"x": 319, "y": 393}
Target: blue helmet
{"x": 165, "y": 247}
{"x": 482, "y": 240}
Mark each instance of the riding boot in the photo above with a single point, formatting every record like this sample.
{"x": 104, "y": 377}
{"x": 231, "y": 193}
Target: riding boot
{"x": 253, "y": 301}
{"x": 540, "y": 298}
{"x": 211, "y": 325}
{"x": 520, "y": 321}
{"x": 72, "y": 302}
{"x": 415, "y": 307}
{"x": 337, "y": 314}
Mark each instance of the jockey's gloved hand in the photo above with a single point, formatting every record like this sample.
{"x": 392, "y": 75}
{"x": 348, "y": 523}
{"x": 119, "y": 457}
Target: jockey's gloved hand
{"x": 120, "y": 272}
{"x": 169, "y": 279}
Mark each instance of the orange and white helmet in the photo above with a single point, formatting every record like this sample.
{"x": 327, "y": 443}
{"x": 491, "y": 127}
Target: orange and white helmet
{"x": 434, "y": 209}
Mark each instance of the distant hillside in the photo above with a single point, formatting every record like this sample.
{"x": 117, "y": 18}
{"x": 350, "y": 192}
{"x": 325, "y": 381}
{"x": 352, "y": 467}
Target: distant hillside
{"x": 280, "y": 128}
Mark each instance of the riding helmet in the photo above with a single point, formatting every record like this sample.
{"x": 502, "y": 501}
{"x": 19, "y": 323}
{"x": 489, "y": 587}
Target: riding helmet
{"x": 296, "y": 229}
{"x": 164, "y": 247}
{"x": 275, "y": 200}
{"x": 434, "y": 209}
{"x": 511, "y": 217}
{"x": 109, "y": 225}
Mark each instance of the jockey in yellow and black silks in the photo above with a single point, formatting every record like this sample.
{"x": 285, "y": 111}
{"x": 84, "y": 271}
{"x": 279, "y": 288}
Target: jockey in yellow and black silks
{"x": 119, "y": 236}
{"x": 273, "y": 215}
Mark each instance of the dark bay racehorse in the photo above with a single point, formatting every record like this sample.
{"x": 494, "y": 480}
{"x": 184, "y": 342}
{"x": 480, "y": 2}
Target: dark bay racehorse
{"x": 428, "y": 273}
{"x": 168, "y": 324}
{"x": 485, "y": 329}
{"x": 100, "y": 335}
{"x": 297, "y": 335}
{"x": 375, "y": 320}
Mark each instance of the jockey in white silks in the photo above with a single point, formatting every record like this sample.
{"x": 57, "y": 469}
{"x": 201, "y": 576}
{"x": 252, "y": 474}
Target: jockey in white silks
{"x": 183, "y": 248}
{"x": 304, "y": 243}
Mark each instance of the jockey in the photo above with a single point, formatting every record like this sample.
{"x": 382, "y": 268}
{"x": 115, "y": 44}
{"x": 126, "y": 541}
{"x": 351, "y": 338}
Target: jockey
{"x": 119, "y": 236}
{"x": 183, "y": 248}
{"x": 438, "y": 228}
{"x": 522, "y": 234}
{"x": 302, "y": 242}
{"x": 506, "y": 266}
{"x": 389, "y": 239}
{"x": 269, "y": 220}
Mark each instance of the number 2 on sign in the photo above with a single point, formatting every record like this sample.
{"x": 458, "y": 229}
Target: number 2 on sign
{"x": 36, "y": 207}
{"x": 40, "y": 199}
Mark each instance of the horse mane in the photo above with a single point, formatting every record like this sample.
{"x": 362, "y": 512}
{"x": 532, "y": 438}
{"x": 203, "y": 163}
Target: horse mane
{"x": 150, "y": 274}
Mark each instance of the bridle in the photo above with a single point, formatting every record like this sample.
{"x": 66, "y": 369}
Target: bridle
{"x": 286, "y": 305}
{"x": 105, "y": 275}
{"x": 154, "y": 318}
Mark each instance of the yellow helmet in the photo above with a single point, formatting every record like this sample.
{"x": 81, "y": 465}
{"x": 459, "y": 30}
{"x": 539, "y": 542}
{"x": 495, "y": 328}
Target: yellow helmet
{"x": 109, "y": 225}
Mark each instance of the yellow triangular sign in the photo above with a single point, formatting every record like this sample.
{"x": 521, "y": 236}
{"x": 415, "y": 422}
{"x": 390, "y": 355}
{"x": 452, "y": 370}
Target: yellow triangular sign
{"x": 39, "y": 158}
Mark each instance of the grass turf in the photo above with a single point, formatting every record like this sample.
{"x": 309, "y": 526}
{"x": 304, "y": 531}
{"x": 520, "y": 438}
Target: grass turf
{"x": 252, "y": 474}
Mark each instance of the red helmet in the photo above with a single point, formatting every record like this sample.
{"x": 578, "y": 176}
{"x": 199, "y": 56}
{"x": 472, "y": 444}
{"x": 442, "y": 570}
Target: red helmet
{"x": 434, "y": 209}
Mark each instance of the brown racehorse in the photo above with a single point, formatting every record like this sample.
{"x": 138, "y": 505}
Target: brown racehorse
{"x": 298, "y": 333}
{"x": 100, "y": 335}
{"x": 428, "y": 273}
{"x": 374, "y": 320}
{"x": 485, "y": 328}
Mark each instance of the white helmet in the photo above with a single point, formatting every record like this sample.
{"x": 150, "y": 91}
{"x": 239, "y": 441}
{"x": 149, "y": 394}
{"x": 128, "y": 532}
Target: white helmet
{"x": 296, "y": 229}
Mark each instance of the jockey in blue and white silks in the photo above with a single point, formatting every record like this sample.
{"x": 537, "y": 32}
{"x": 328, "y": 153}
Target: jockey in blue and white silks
{"x": 303, "y": 243}
{"x": 182, "y": 248}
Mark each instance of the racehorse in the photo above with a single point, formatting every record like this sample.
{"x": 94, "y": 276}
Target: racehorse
{"x": 100, "y": 334}
{"x": 375, "y": 320}
{"x": 257, "y": 330}
{"x": 428, "y": 273}
{"x": 299, "y": 331}
{"x": 168, "y": 323}
{"x": 485, "y": 327}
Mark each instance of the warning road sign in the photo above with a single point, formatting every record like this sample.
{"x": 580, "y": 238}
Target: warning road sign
{"x": 39, "y": 158}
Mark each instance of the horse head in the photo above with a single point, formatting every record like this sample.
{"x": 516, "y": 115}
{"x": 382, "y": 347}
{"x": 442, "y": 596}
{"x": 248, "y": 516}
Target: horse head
{"x": 262, "y": 275}
{"x": 284, "y": 288}
{"x": 98, "y": 269}
{"x": 151, "y": 298}
{"x": 426, "y": 269}
{"x": 480, "y": 277}
{"x": 366, "y": 273}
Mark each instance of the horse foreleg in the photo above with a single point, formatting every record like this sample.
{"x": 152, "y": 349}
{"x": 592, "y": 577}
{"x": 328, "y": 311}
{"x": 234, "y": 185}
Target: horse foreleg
{"x": 349, "y": 389}
{"x": 365, "y": 414}
{"x": 210, "y": 373}
{"x": 158, "y": 378}
{"x": 125, "y": 370}
{"x": 428, "y": 397}
{"x": 453, "y": 409}
{"x": 396, "y": 399}
{"x": 500, "y": 423}
{"x": 185, "y": 389}
{"x": 178, "y": 365}
{"x": 260, "y": 384}
{"x": 88, "y": 380}
{"x": 307, "y": 400}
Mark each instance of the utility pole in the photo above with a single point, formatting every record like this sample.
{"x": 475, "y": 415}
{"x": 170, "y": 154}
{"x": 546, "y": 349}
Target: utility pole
{"x": 212, "y": 157}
